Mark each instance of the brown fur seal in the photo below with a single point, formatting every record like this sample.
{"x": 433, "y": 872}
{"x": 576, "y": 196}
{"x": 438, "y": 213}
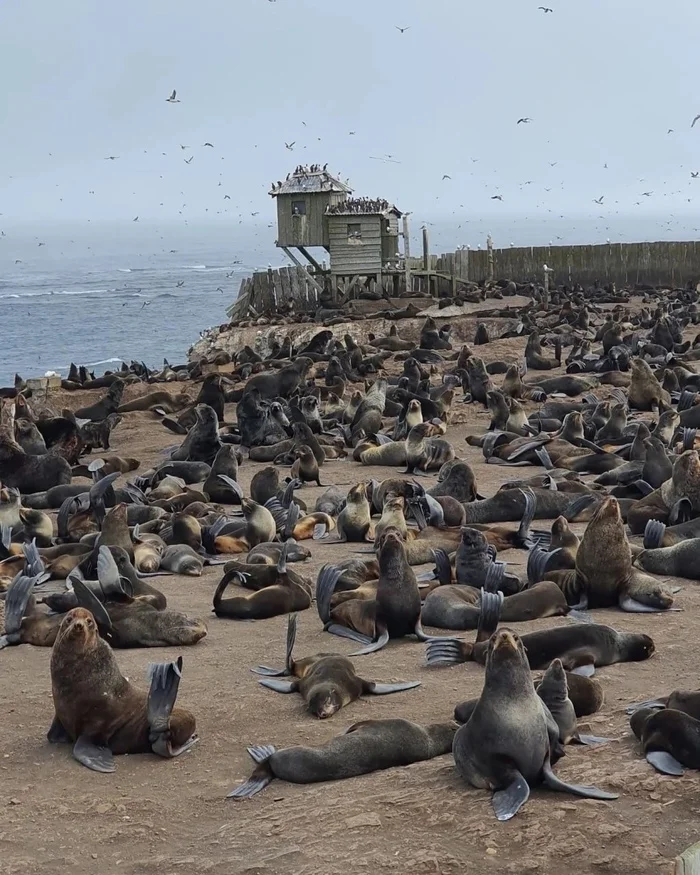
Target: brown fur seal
{"x": 425, "y": 451}
{"x": 106, "y": 406}
{"x": 670, "y": 739}
{"x": 97, "y": 709}
{"x": 354, "y": 521}
{"x": 31, "y": 474}
{"x": 164, "y": 400}
{"x": 677, "y": 497}
{"x": 278, "y": 591}
{"x": 391, "y": 454}
{"x": 225, "y": 465}
{"x": 511, "y": 740}
{"x": 305, "y": 467}
{"x": 202, "y": 442}
{"x": 534, "y": 354}
{"x": 645, "y": 391}
{"x": 327, "y": 682}
{"x": 679, "y": 560}
{"x": 367, "y": 746}
{"x": 456, "y": 479}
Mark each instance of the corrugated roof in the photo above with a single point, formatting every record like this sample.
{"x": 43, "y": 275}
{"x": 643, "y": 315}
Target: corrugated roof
{"x": 305, "y": 181}
{"x": 363, "y": 207}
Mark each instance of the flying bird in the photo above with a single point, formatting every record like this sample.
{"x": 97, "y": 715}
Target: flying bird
{"x": 111, "y": 158}
{"x": 497, "y": 197}
{"x": 211, "y": 145}
{"x": 227, "y": 197}
{"x": 598, "y": 200}
{"x": 694, "y": 120}
{"x": 695, "y": 174}
{"x": 545, "y": 9}
{"x": 180, "y": 284}
{"x": 135, "y": 219}
{"x": 647, "y": 193}
{"x": 145, "y": 304}
{"x": 446, "y": 176}
{"x": 290, "y": 146}
{"x": 553, "y": 163}
{"x": 670, "y": 130}
{"x": 184, "y": 147}
{"x": 524, "y": 121}
{"x": 188, "y": 160}
{"x": 173, "y": 97}
{"x": 402, "y": 29}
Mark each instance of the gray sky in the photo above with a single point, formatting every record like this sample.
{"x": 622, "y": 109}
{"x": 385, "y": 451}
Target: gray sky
{"x": 602, "y": 80}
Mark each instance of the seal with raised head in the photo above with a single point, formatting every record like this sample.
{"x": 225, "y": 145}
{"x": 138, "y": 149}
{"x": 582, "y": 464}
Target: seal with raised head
{"x": 367, "y": 746}
{"x": 674, "y": 501}
{"x": 327, "y": 681}
{"x": 97, "y": 709}
{"x": 202, "y": 442}
{"x": 511, "y": 739}
{"x": 354, "y": 522}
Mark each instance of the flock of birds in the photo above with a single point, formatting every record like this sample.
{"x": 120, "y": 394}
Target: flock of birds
{"x": 79, "y": 546}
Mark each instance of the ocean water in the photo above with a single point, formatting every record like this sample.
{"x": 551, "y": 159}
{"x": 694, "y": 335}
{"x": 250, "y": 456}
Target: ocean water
{"x": 100, "y": 295}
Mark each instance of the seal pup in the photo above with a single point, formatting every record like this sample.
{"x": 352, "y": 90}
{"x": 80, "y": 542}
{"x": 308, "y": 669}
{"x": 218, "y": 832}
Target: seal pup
{"x": 327, "y": 681}
{"x": 305, "y": 467}
{"x": 105, "y": 406}
{"x": 354, "y": 522}
{"x": 511, "y": 739}
{"x": 670, "y": 739}
{"x": 365, "y": 747}
{"x": 426, "y": 452}
{"x": 99, "y": 712}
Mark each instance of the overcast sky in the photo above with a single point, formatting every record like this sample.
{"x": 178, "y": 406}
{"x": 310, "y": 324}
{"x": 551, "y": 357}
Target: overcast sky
{"x": 602, "y": 80}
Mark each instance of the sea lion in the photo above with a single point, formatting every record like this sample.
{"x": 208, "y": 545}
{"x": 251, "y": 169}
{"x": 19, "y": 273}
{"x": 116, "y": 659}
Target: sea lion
{"x": 202, "y": 442}
{"x": 282, "y": 591}
{"x": 31, "y": 473}
{"x": 365, "y": 747}
{"x": 97, "y": 709}
{"x": 511, "y": 739}
{"x": 679, "y": 560}
{"x": 670, "y": 739}
{"x": 327, "y": 682}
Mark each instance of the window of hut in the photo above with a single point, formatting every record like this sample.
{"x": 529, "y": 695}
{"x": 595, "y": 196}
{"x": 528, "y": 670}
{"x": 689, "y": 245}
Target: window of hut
{"x": 298, "y": 208}
{"x": 354, "y": 232}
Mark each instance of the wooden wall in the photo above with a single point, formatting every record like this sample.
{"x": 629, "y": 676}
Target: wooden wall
{"x": 308, "y": 230}
{"x": 355, "y": 257}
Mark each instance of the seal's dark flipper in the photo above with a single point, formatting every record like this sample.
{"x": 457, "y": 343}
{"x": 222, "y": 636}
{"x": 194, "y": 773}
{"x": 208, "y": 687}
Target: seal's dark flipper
{"x": 269, "y": 672}
{"x": 33, "y": 564}
{"x": 292, "y": 520}
{"x": 681, "y": 512}
{"x": 653, "y": 534}
{"x": 494, "y": 577}
{"x": 381, "y": 641}
{"x": 232, "y": 484}
{"x": 585, "y": 671}
{"x": 376, "y": 689}
{"x": 489, "y": 614}
{"x": 650, "y": 703}
{"x": 687, "y": 400}
{"x": 98, "y": 493}
{"x": 108, "y": 574}
{"x": 328, "y": 577}
{"x": 508, "y": 802}
{"x": 554, "y": 783}
{"x": 665, "y": 763}
{"x": 689, "y": 436}
{"x": 165, "y": 681}
{"x": 522, "y": 536}
{"x": 345, "y": 632}
{"x": 57, "y": 733}
{"x": 261, "y": 777}
{"x": 537, "y": 562}
{"x": 16, "y": 602}
{"x": 577, "y": 506}
{"x": 279, "y": 686}
{"x": 590, "y": 739}
{"x": 443, "y": 567}
{"x": 632, "y": 606}
{"x": 320, "y": 531}
{"x": 643, "y": 488}
{"x": 282, "y": 561}
{"x": 87, "y": 599}
{"x": 97, "y": 758}
{"x": 544, "y": 458}
{"x": 292, "y": 624}
{"x": 446, "y": 651}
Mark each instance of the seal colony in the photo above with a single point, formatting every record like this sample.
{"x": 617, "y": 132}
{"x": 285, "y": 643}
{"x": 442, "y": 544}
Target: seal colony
{"x": 335, "y": 475}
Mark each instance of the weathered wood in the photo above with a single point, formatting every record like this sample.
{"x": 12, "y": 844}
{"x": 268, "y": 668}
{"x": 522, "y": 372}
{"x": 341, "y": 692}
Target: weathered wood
{"x": 688, "y": 863}
{"x": 307, "y": 255}
{"x": 290, "y": 255}
{"x": 426, "y": 249}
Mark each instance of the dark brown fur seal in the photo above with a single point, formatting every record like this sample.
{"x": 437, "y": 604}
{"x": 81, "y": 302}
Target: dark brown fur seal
{"x": 106, "y": 406}
{"x": 327, "y": 681}
{"x": 670, "y": 739}
{"x": 202, "y": 442}
{"x": 354, "y": 521}
{"x": 367, "y": 746}
{"x": 511, "y": 740}
{"x": 678, "y": 496}
{"x": 97, "y": 709}
{"x": 305, "y": 467}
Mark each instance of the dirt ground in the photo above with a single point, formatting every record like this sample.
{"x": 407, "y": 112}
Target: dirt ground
{"x": 157, "y": 816}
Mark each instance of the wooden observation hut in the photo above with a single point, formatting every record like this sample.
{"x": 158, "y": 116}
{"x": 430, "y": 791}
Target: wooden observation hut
{"x": 360, "y": 235}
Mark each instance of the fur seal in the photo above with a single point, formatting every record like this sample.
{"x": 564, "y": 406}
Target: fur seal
{"x": 305, "y": 467}
{"x": 670, "y": 739}
{"x": 164, "y": 400}
{"x": 97, "y": 709}
{"x": 354, "y": 522}
{"x": 219, "y": 490}
{"x": 680, "y": 560}
{"x": 327, "y": 682}
{"x": 31, "y": 473}
{"x": 424, "y": 451}
{"x": 367, "y": 746}
{"x": 105, "y": 406}
{"x": 511, "y": 739}
{"x": 645, "y": 391}
{"x": 202, "y": 442}
{"x": 677, "y": 497}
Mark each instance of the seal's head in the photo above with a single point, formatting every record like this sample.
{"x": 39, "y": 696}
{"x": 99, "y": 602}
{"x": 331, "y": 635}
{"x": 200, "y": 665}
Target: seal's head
{"x": 325, "y": 701}
{"x": 505, "y": 647}
{"x": 79, "y": 629}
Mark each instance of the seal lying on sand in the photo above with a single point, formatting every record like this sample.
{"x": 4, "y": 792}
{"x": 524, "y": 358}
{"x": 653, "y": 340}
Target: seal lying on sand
{"x": 511, "y": 739}
{"x": 97, "y": 709}
{"x": 367, "y": 746}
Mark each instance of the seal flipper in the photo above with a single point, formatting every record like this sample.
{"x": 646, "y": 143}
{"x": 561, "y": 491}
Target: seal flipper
{"x": 279, "y": 686}
{"x": 494, "y": 577}
{"x": 689, "y": 436}
{"x": 681, "y": 512}
{"x": 508, "y": 802}
{"x": 590, "y": 739}
{"x": 381, "y": 641}
{"x": 537, "y": 562}
{"x": 665, "y": 763}
{"x": 577, "y": 506}
{"x": 346, "y": 632}
{"x": 326, "y": 583}
{"x": 522, "y": 536}
{"x": 16, "y": 602}
{"x": 632, "y": 606}
{"x": 87, "y": 599}
{"x": 544, "y": 458}
{"x": 232, "y": 484}
{"x": 653, "y": 534}
{"x": 320, "y": 531}
{"x": 165, "y": 682}
{"x": 649, "y": 703}
{"x": 550, "y": 780}
{"x": 261, "y": 777}
{"x": 375, "y": 689}
{"x": 292, "y": 520}
{"x": 447, "y": 651}
{"x": 95, "y": 757}
{"x": 33, "y": 564}
{"x": 108, "y": 575}
{"x": 586, "y": 670}
{"x": 489, "y": 614}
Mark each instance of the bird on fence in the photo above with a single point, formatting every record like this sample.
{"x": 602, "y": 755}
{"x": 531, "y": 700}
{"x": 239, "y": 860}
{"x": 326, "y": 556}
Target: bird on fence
{"x": 694, "y": 120}
{"x": 402, "y": 29}
{"x": 524, "y": 121}
{"x": 173, "y": 97}
{"x": 598, "y": 200}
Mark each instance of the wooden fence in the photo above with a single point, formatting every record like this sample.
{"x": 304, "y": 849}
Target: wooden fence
{"x": 264, "y": 292}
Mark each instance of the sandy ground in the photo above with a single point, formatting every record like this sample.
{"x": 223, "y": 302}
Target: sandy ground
{"x": 160, "y": 816}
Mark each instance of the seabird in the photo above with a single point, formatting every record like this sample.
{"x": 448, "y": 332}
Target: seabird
{"x": 446, "y": 176}
{"x": 189, "y": 160}
{"x": 497, "y": 197}
{"x": 545, "y": 9}
{"x": 173, "y": 98}
{"x": 598, "y": 200}
{"x": 694, "y": 120}
{"x": 402, "y": 29}
{"x": 211, "y": 145}
{"x": 524, "y": 121}
{"x": 290, "y": 146}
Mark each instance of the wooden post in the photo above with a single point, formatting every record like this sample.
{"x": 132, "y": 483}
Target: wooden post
{"x": 489, "y": 258}
{"x": 407, "y": 252}
{"x": 426, "y": 249}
